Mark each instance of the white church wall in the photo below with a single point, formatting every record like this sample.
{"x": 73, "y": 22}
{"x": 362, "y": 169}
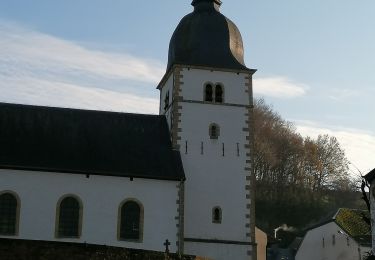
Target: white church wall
{"x": 234, "y": 85}
{"x": 343, "y": 247}
{"x": 101, "y": 196}
{"x": 213, "y": 178}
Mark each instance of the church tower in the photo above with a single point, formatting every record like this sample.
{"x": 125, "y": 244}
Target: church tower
{"x": 206, "y": 96}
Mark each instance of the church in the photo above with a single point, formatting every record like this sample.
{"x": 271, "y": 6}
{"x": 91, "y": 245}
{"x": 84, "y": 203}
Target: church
{"x": 134, "y": 180}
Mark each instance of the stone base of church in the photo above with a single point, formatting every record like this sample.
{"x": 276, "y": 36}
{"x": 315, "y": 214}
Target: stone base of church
{"x": 218, "y": 250}
{"x": 11, "y": 249}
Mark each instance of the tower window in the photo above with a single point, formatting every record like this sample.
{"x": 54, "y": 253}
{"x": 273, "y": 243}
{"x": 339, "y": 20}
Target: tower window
{"x": 208, "y": 93}
{"x": 131, "y": 215}
{"x": 214, "y": 93}
{"x": 166, "y": 101}
{"x": 216, "y": 215}
{"x": 69, "y": 218}
{"x": 9, "y": 206}
{"x": 214, "y": 131}
{"x": 219, "y": 93}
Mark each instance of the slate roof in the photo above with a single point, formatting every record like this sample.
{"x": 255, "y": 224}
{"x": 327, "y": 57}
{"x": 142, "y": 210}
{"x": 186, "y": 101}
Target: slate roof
{"x": 205, "y": 37}
{"x": 88, "y": 142}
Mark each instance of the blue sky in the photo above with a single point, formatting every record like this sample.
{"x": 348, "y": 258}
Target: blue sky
{"x": 314, "y": 58}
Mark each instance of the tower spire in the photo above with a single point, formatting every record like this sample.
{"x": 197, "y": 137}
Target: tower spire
{"x": 217, "y": 3}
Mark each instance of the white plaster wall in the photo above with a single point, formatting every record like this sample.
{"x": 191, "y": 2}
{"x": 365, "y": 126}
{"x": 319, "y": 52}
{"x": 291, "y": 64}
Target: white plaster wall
{"x": 221, "y": 252}
{"x": 214, "y": 179}
{"x": 101, "y": 196}
{"x": 312, "y": 245}
{"x": 234, "y": 85}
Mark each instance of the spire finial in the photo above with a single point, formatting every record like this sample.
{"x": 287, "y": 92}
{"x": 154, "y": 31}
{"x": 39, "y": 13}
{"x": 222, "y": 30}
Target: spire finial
{"x": 217, "y": 2}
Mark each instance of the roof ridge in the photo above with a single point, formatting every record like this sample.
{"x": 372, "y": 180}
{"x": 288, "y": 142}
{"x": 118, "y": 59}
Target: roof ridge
{"x": 76, "y": 109}
{"x": 351, "y": 209}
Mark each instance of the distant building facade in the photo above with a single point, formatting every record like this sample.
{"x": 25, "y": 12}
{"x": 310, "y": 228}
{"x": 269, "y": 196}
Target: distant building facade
{"x": 261, "y": 240}
{"x": 345, "y": 236}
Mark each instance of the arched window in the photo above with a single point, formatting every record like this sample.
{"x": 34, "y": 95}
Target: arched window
{"x": 69, "y": 214}
{"x": 214, "y": 131}
{"x": 216, "y": 215}
{"x": 9, "y": 208}
{"x": 208, "y": 93}
{"x": 131, "y": 221}
{"x": 219, "y": 93}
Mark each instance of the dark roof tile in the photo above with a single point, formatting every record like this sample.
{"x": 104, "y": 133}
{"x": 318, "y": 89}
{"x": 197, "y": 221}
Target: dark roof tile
{"x": 85, "y": 141}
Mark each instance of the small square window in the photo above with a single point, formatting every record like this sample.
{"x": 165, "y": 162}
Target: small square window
{"x": 214, "y": 131}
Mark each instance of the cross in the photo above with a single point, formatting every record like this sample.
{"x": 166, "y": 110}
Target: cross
{"x": 167, "y": 244}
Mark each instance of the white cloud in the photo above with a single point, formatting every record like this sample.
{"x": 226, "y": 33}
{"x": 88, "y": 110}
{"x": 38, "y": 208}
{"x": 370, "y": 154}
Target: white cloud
{"x": 279, "y": 87}
{"x": 37, "y": 68}
{"x": 35, "y": 51}
{"x": 359, "y": 145}
{"x": 338, "y": 94}
{"x": 34, "y": 91}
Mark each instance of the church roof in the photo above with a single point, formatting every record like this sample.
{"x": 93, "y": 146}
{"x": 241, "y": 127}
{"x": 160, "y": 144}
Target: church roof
{"x": 88, "y": 142}
{"x": 205, "y": 37}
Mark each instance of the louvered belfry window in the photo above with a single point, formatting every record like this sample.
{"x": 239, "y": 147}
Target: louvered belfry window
{"x": 130, "y": 228}
{"x": 208, "y": 93}
{"x": 8, "y": 214}
{"x": 69, "y": 218}
{"x": 219, "y": 94}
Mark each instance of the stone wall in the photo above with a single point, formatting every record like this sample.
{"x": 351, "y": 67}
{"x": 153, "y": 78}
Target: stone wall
{"x": 13, "y": 249}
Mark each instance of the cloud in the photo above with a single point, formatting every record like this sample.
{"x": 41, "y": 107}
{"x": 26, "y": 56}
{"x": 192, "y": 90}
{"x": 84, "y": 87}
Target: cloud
{"x": 338, "y": 94}
{"x": 279, "y": 87}
{"x": 35, "y": 51}
{"x": 359, "y": 145}
{"x": 34, "y": 91}
{"x": 37, "y": 68}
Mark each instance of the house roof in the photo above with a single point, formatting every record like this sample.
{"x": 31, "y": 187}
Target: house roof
{"x": 370, "y": 176}
{"x": 88, "y": 142}
{"x": 352, "y": 222}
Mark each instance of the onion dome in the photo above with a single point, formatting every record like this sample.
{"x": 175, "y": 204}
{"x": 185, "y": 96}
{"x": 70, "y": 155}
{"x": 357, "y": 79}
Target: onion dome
{"x": 207, "y": 38}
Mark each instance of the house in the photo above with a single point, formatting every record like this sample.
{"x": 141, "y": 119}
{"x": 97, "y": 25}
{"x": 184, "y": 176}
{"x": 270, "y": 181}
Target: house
{"x": 370, "y": 179}
{"x": 131, "y": 180}
{"x": 261, "y": 240}
{"x": 344, "y": 236}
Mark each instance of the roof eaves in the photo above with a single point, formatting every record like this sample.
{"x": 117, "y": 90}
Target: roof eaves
{"x": 88, "y": 172}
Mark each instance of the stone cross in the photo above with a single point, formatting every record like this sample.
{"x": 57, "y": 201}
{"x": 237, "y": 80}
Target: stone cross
{"x": 167, "y": 244}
